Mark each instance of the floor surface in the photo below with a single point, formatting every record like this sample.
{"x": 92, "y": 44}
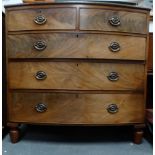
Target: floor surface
{"x": 45, "y": 140}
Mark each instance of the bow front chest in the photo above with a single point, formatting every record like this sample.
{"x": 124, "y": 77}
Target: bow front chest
{"x": 76, "y": 64}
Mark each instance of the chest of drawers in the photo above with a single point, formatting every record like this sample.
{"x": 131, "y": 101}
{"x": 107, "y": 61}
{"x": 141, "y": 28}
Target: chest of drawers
{"x": 76, "y": 64}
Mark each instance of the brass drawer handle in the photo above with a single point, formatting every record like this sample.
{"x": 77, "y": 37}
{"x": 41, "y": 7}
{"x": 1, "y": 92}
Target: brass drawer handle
{"x": 114, "y": 47}
{"x": 40, "y": 19}
{"x": 113, "y": 76}
{"x": 40, "y": 45}
{"x": 40, "y": 107}
{"x": 112, "y": 108}
{"x": 40, "y": 75}
{"x": 114, "y": 21}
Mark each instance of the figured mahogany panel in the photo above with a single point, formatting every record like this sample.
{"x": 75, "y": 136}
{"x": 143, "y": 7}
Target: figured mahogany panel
{"x": 66, "y": 45}
{"x": 66, "y": 108}
{"x": 56, "y": 18}
{"x": 76, "y": 76}
{"x": 98, "y": 19}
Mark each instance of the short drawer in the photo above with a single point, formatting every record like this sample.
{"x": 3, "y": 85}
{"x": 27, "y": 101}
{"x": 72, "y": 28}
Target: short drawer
{"x": 40, "y": 19}
{"x": 111, "y": 20}
{"x": 66, "y": 45}
{"x": 67, "y": 108}
{"x": 76, "y": 76}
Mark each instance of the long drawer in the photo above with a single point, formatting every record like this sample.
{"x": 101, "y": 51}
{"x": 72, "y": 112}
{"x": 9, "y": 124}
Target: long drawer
{"x": 66, "y": 45}
{"x": 111, "y": 20}
{"x": 76, "y": 76}
{"x": 66, "y": 108}
{"x": 41, "y": 19}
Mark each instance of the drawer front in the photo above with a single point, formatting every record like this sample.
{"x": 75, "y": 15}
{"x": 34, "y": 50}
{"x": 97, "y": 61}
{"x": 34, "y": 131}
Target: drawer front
{"x": 76, "y": 76}
{"x": 40, "y": 19}
{"x": 110, "y": 20}
{"x": 76, "y": 108}
{"x": 56, "y": 45}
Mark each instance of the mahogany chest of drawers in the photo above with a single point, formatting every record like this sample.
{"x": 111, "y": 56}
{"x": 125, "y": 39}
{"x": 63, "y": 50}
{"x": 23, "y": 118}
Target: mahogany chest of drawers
{"x": 76, "y": 64}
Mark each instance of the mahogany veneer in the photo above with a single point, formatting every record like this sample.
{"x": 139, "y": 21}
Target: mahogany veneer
{"x": 76, "y": 64}
{"x": 73, "y": 45}
{"x": 82, "y": 108}
{"x": 75, "y": 76}
{"x": 58, "y": 18}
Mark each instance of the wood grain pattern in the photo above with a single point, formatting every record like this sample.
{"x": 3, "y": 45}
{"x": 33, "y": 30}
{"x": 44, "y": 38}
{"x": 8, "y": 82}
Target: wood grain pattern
{"x": 150, "y": 53}
{"x": 66, "y": 45}
{"x": 76, "y": 76}
{"x": 76, "y": 108}
{"x": 97, "y": 19}
{"x": 76, "y": 91}
{"x": 57, "y": 18}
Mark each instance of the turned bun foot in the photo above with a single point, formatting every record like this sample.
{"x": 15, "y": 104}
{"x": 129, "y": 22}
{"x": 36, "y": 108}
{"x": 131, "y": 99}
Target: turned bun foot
{"x": 138, "y": 133}
{"x": 138, "y": 136}
{"x": 14, "y": 135}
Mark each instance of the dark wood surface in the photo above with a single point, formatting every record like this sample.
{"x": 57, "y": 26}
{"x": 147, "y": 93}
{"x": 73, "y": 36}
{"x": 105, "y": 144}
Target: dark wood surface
{"x": 76, "y": 108}
{"x": 57, "y": 18}
{"x": 96, "y": 19}
{"x": 76, "y": 45}
{"x": 4, "y": 88}
{"x": 81, "y": 3}
{"x": 75, "y": 76}
{"x": 87, "y": 33}
{"x": 150, "y": 53}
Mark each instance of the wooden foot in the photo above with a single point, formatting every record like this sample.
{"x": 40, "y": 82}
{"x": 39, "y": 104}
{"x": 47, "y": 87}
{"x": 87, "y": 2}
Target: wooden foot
{"x": 138, "y": 133}
{"x": 14, "y": 132}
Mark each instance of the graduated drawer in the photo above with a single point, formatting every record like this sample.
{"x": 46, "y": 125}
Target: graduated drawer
{"x": 66, "y": 45}
{"x": 111, "y": 20}
{"x": 40, "y": 19}
{"x": 76, "y": 108}
{"x": 76, "y": 76}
